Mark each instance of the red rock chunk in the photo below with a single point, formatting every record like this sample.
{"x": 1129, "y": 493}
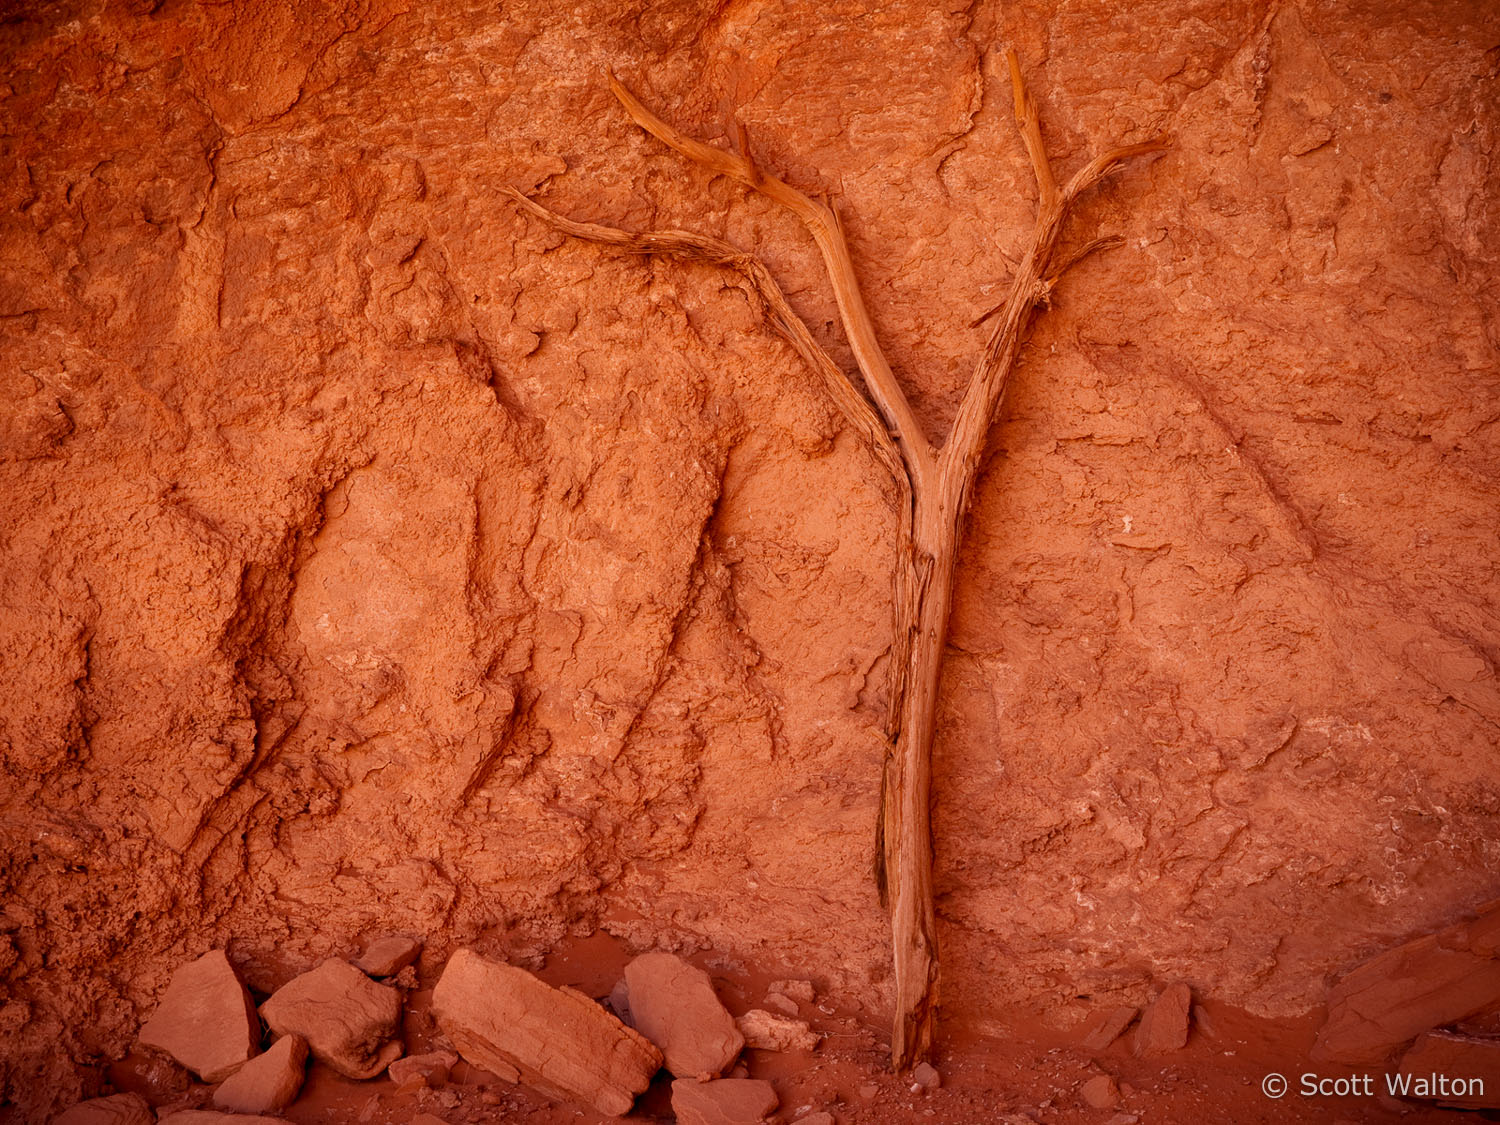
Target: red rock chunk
{"x": 1429, "y": 982}
{"x": 1164, "y": 1027}
{"x": 387, "y": 956}
{"x": 1100, "y": 1092}
{"x": 673, "y": 1004}
{"x": 554, "y": 1039}
{"x": 269, "y": 1082}
{"x": 348, "y": 1020}
{"x": 801, "y": 991}
{"x": 416, "y": 1071}
{"x": 205, "y": 1019}
{"x": 726, "y": 1101}
{"x": 767, "y": 1032}
{"x": 120, "y": 1109}
{"x": 1454, "y": 1070}
{"x": 1104, "y": 1027}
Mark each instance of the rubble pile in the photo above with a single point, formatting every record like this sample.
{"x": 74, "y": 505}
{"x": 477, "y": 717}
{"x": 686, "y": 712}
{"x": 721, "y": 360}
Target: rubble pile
{"x": 500, "y": 1019}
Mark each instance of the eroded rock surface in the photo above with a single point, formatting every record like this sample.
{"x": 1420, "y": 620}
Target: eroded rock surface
{"x": 349, "y": 1021}
{"x": 345, "y": 514}
{"x": 673, "y": 1004}
{"x": 557, "y": 1040}
{"x": 206, "y": 1019}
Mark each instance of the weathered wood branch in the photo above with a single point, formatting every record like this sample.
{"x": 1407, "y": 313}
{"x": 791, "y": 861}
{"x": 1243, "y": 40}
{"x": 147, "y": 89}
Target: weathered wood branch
{"x": 934, "y": 486}
{"x": 823, "y": 224}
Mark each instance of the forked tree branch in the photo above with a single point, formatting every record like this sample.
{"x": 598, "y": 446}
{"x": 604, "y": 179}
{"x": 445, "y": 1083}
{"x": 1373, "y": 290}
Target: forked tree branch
{"x": 934, "y": 485}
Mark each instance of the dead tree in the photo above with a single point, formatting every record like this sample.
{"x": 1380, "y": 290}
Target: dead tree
{"x": 933, "y": 482}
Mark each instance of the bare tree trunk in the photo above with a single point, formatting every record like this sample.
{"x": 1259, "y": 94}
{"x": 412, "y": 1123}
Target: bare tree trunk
{"x": 906, "y": 824}
{"x": 933, "y": 490}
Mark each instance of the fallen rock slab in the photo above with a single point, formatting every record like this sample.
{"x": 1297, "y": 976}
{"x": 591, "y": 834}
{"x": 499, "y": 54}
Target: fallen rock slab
{"x": 1104, "y": 1027}
{"x": 724, "y": 1101}
{"x": 387, "y": 956}
{"x": 118, "y": 1109}
{"x": 1426, "y": 983}
{"x": 556, "y": 1040}
{"x": 269, "y": 1082}
{"x": 206, "y": 1019}
{"x": 1461, "y": 1071}
{"x": 765, "y": 1031}
{"x": 673, "y": 1004}
{"x": 416, "y": 1071}
{"x": 1164, "y": 1026}
{"x": 348, "y": 1020}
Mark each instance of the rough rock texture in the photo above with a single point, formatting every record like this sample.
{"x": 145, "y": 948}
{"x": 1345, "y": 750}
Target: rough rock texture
{"x": 727, "y": 1101}
{"x": 1426, "y": 983}
{"x": 1164, "y": 1023}
{"x": 349, "y": 1021}
{"x": 269, "y": 1082}
{"x": 555, "y": 1039}
{"x": 345, "y": 515}
{"x": 674, "y": 1005}
{"x": 1474, "y": 1062}
{"x": 206, "y": 1018}
{"x": 213, "y": 1117}
{"x": 117, "y": 1109}
{"x": 767, "y": 1031}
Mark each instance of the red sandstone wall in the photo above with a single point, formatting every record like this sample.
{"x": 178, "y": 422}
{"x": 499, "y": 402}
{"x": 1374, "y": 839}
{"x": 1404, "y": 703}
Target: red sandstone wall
{"x": 374, "y": 557}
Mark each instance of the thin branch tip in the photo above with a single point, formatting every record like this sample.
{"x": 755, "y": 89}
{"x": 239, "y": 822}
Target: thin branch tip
{"x": 1029, "y": 122}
